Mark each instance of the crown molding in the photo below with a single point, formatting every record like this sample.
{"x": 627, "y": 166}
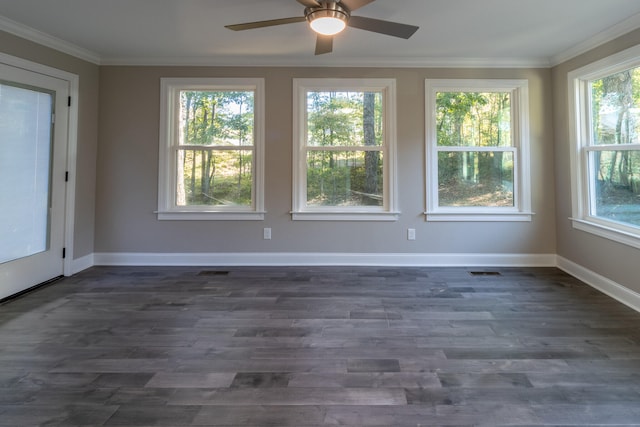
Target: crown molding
{"x": 630, "y": 24}
{"x": 331, "y": 62}
{"x": 44, "y": 39}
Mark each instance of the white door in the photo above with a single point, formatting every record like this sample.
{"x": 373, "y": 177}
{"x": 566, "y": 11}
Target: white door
{"x": 33, "y": 156}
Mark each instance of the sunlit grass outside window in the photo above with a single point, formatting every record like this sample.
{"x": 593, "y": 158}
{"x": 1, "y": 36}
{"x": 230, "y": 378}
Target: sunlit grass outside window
{"x": 221, "y": 178}
{"x": 472, "y": 178}
{"x": 340, "y": 178}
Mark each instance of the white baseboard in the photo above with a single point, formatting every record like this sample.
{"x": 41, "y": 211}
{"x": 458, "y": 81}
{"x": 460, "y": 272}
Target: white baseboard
{"x": 326, "y": 259}
{"x": 278, "y": 259}
{"x": 607, "y": 286}
{"x": 79, "y": 264}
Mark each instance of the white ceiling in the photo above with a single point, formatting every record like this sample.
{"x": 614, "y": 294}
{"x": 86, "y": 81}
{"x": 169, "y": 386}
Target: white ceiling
{"x": 452, "y": 32}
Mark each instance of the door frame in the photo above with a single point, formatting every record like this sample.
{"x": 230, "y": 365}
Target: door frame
{"x": 72, "y": 147}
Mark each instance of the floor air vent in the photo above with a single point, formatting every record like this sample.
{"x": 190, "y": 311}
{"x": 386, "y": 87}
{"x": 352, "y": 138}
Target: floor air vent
{"x": 485, "y": 273}
{"x": 213, "y": 273}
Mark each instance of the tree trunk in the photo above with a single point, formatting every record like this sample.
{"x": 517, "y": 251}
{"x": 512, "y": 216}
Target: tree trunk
{"x": 204, "y": 170}
{"x": 624, "y": 170}
{"x": 194, "y": 191}
{"x": 193, "y": 176}
{"x": 621, "y": 85}
{"x": 181, "y": 193}
{"x": 240, "y": 159}
{"x": 211, "y": 172}
{"x": 371, "y": 158}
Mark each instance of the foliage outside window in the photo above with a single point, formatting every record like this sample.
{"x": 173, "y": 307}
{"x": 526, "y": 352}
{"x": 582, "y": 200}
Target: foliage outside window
{"x": 477, "y": 150}
{"x": 211, "y": 149}
{"x": 606, "y": 163}
{"x": 344, "y": 136}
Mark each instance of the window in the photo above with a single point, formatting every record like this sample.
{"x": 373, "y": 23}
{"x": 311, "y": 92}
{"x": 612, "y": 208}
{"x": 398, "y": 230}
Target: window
{"x": 605, "y": 135}
{"x": 477, "y": 150}
{"x": 344, "y": 149}
{"x": 211, "y": 149}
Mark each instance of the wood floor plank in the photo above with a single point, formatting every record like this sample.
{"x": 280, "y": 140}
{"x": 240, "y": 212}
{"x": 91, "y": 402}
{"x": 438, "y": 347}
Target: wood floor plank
{"x": 318, "y": 346}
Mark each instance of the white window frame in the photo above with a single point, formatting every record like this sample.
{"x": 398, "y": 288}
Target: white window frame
{"x": 521, "y": 210}
{"x": 300, "y": 211}
{"x": 580, "y": 137}
{"x": 170, "y": 89}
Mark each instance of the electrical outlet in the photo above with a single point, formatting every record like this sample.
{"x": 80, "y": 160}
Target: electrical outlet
{"x": 267, "y": 234}
{"x": 411, "y": 234}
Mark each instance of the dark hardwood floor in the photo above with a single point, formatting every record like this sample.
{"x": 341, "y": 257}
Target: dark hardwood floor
{"x": 318, "y": 347}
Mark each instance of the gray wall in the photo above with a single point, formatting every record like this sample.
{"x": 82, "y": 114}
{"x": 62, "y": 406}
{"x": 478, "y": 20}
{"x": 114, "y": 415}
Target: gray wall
{"x": 115, "y": 200}
{"x": 87, "y": 130}
{"x": 615, "y": 261}
{"x": 127, "y": 173}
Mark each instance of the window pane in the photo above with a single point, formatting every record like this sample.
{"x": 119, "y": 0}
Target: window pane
{"x": 344, "y": 178}
{"x": 214, "y": 177}
{"x": 475, "y": 178}
{"x": 221, "y": 118}
{"x": 344, "y": 119}
{"x": 616, "y": 181}
{"x": 25, "y": 168}
{"x": 473, "y": 119}
{"x": 615, "y": 102}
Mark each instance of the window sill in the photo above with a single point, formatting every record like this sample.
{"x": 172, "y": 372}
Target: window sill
{"x": 479, "y": 216}
{"x": 344, "y": 216}
{"x": 610, "y": 232}
{"x": 210, "y": 216}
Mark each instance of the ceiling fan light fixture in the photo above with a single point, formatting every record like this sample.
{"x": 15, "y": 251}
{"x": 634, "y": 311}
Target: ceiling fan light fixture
{"x": 327, "y": 26}
{"x": 327, "y": 21}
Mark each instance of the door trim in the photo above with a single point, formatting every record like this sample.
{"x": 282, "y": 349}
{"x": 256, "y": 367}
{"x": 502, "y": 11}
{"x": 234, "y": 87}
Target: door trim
{"x": 72, "y": 146}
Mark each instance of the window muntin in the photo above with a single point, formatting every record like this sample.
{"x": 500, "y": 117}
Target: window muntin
{"x": 211, "y": 149}
{"x": 345, "y": 139}
{"x": 477, "y": 150}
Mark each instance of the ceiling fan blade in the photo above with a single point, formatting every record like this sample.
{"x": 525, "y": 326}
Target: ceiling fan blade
{"x": 355, "y": 4}
{"x": 261, "y": 24}
{"x": 383, "y": 27}
{"x": 324, "y": 44}
{"x": 309, "y": 3}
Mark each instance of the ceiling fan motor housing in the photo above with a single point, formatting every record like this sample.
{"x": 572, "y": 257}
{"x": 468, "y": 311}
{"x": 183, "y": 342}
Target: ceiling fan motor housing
{"x": 327, "y": 9}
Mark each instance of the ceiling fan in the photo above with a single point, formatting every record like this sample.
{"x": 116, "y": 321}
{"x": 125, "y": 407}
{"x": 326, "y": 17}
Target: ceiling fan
{"x": 328, "y": 17}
